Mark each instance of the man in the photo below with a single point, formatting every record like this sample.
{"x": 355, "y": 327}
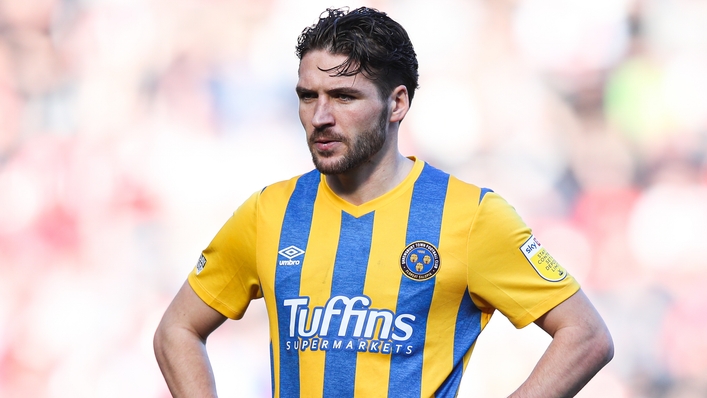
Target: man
{"x": 378, "y": 271}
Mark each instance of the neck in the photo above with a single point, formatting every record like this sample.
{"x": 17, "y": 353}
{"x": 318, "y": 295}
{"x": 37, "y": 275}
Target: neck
{"x": 371, "y": 179}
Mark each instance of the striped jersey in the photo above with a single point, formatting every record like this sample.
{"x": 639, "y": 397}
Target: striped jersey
{"x": 384, "y": 299}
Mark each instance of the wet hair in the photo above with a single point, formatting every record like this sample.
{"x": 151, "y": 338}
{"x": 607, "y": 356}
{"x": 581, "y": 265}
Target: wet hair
{"x": 373, "y": 43}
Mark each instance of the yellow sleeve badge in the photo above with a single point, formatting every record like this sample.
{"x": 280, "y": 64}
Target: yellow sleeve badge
{"x": 544, "y": 264}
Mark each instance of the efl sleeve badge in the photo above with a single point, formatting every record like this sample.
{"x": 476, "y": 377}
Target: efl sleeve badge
{"x": 200, "y": 264}
{"x": 542, "y": 261}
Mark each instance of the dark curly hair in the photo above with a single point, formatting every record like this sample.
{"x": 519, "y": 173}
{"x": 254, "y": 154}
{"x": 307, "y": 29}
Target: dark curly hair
{"x": 375, "y": 45}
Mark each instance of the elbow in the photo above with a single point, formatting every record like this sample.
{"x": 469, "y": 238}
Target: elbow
{"x": 608, "y": 348}
{"x": 602, "y": 348}
{"x": 158, "y": 343}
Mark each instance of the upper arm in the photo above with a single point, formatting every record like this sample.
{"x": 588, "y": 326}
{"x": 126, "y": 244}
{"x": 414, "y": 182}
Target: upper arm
{"x": 575, "y": 312}
{"x": 509, "y": 270}
{"x": 227, "y": 278}
{"x": 188, "y": 311}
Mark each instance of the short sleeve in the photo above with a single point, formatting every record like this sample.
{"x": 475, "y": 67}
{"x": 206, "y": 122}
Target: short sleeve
{"x": 226, "y": 276}
{"x": 509, "y": 270}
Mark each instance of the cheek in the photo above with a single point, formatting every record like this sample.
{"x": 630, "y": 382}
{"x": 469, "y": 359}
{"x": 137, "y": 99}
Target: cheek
{"x": 368, "y": 119}
{"x": 359, "y": 116}
{"x": 303, "y": 116}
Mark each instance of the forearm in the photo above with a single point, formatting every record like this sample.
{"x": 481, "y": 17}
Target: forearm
{"x": 573, "y": 357}
{"x": 183, "y": 360}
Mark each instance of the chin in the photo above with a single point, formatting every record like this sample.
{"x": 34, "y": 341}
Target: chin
{"x": 330, "y": 165}
{"x": 327, "y": 169}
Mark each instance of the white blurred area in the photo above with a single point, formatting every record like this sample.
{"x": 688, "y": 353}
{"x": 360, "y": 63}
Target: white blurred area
{"x": 131, "y": 129}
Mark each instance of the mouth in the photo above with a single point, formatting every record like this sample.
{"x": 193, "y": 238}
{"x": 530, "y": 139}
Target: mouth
{"x": 323, "y": 140}
{"x": 325, "y": 146}
{"x": 324, "y": 143}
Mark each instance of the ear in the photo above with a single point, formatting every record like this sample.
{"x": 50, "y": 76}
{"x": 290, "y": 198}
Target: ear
{"x": 399, "y": 104}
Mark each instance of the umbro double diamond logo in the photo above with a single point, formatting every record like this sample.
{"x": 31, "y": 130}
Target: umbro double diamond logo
{"x": 290, "y": 253}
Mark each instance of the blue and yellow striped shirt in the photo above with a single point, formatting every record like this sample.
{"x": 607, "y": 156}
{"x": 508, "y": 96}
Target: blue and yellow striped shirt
{"x": 385, "y": 299}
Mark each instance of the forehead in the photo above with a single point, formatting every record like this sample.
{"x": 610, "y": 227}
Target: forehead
{"x": 314, "y": 71}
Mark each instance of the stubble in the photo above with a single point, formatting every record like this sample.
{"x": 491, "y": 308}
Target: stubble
{"x": 359, "y": 148}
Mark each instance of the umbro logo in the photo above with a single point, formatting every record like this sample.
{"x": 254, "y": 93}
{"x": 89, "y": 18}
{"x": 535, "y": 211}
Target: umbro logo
{"x": 290, "y": 252}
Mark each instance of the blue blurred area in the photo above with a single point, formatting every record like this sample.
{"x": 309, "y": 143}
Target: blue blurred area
{"x": 130, "y": 130}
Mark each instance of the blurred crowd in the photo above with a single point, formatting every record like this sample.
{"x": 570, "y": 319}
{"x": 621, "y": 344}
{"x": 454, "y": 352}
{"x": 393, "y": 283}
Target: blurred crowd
{"x": 131, "y": 129}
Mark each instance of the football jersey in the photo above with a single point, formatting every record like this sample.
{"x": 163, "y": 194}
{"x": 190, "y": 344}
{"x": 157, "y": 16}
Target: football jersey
{"x": 384, "y": 299}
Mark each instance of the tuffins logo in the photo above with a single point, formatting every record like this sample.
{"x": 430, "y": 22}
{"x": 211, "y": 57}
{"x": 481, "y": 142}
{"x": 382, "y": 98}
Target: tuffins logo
{"x": 347, "y": 324}
{"x": 290, "y": 252}
{"x": 543, "y": 263}
{"x": 420, "y": 261}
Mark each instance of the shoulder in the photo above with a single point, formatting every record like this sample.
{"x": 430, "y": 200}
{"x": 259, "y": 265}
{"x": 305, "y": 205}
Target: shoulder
{"x": 466, "y": 195}
{"x": 431, "y": 174}
{"x": 458, "y": 190}
{"x": 281, "y": 191}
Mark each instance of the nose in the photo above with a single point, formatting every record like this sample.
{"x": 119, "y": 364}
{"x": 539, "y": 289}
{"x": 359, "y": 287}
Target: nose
{"x": 323, "y": 115}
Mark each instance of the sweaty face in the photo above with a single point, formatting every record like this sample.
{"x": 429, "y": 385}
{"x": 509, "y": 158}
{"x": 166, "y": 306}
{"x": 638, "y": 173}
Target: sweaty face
{"x": 344, "y": 117}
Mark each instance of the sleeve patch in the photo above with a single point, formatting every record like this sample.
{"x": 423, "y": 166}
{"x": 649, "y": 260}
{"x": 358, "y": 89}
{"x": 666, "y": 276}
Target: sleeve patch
{"x": 543, "y": 263}
{"x": 200, "y": 264}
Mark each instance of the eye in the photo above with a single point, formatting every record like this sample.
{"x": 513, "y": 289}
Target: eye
{"x": 345, "y": 97}
{"x": 306, "y": 95}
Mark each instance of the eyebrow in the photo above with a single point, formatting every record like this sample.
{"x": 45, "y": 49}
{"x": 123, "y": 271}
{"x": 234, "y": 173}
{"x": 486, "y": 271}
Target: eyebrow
{"x": 345, "y": 90}
{"x": 302, "y": 90}
{"x": 333, "y": 91}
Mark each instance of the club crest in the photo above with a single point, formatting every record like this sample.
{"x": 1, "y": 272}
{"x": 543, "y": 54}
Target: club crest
{"x": 420, "y": 261}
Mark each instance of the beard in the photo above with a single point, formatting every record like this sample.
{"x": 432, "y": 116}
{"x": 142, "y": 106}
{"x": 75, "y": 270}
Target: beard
{"x": 360, "y": 148}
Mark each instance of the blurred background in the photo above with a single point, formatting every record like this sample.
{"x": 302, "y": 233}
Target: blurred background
{"x": 131, "y": 129}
